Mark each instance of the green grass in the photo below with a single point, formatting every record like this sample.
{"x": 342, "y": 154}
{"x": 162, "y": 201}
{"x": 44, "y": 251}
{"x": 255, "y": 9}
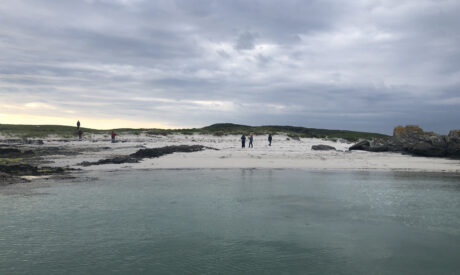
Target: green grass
{"x": 41, "y": 131}
{"x": 11, "y": 160}
{"x": 228, "y": 128}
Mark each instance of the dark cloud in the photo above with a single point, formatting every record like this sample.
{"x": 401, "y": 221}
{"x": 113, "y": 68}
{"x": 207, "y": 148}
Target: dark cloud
{"x": 245, "y": 41}
{"x": 362, "y": 65}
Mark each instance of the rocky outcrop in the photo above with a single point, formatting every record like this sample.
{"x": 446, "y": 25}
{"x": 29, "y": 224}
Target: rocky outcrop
{"x": 10, "y": 174}
{"x": 6, "y": 179}
{"x": 362, "y": 145}
{"x": 148, "y": 153}
{"x": 453, "y": 143}
{"x": 14, "y": 152}
{"x": 22, "y": 141}
{"x": 413, "y": 140}
{"x": 322, "y": 147}
{"x": 29, "y": 170}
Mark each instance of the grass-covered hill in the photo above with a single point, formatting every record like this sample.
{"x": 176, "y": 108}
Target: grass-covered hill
{"x": 229, "y": 128}
{"x": 41, "y": 131}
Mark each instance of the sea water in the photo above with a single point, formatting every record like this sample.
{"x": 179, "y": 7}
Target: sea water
{"x": 235, "y": 221}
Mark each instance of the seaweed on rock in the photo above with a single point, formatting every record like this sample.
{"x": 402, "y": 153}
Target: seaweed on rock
{"x": 148, "y": 153}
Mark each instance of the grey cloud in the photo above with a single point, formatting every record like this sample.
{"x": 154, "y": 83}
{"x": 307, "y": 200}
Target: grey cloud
{"x": 360, "y": 65}
{"x": 245, "y": 41}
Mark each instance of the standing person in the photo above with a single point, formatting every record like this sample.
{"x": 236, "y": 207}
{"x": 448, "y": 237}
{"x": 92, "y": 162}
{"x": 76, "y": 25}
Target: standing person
{"x": 251, "y": 138}
{"x": 113, "y": 136}
{"x": 243, "y": 141}
{"x": 269, "y": 139}
{"x": 78, "y": 125}
{"x": 80, "y": 133}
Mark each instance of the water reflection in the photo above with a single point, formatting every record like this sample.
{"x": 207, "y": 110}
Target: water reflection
{"x": 236, "y": 221}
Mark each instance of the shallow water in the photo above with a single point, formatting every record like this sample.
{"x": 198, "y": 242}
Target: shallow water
{"x": 236, "y": 221}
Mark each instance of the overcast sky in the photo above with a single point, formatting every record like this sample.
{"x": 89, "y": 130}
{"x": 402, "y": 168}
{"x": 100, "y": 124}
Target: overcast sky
{"x": 359, "y": 65}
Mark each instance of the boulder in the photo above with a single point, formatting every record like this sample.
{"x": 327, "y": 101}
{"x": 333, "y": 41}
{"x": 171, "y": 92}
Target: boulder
{"x": 412, "y": 139}
{"x": 410, "y": 131}
{"x": 453, "y": 149}
{"x": 322, "y": 147}
{"x": 362, "y": 145}
{"x": 453, "y": 144}
{"x": 427, "y": 149}
{"x": 454, "y": 134}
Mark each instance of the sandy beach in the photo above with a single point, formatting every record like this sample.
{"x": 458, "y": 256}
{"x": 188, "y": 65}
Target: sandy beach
{"x": 284, "y": 153}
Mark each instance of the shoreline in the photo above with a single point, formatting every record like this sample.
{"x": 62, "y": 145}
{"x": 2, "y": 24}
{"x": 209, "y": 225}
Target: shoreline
{"x": 39, "y": 185}
{"x": 337, "y": 170}
{"x": 285, "y": 153}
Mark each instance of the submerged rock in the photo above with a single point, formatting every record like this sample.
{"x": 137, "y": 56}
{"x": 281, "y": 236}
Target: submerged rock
{"x": 322, "y": 147}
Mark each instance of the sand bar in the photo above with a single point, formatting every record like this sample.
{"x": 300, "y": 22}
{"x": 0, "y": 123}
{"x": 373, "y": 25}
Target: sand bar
{"x": 284, "y": 153}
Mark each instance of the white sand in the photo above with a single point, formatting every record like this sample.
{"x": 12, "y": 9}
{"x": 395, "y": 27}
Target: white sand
{"x": 282, "y": 154}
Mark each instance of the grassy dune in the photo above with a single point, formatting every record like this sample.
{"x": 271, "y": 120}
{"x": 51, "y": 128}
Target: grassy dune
{"x": 41, "y": 131}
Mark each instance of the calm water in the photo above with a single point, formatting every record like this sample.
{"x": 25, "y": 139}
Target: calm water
{"x": 236, "y": 221}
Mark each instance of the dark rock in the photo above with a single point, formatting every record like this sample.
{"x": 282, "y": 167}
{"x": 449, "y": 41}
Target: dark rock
{"x": 426, "y": 149}
{"x": 294, "y": 137}
{"x": 453, "y": 149}
{"x": 9, "y": 152}
{"x": 33, "y": 141}
{"x": 12, "y": 141}
{"x": 454, "y": 134}
{"x": 362, "y": 145}
{"x": 26, "y": 170}
{"x": 413, "y": 140}
{"x": 158, "y": 152}
{"x": 14, "y": 153}
{"x": 6, "y": 179}
{"x": 148, "y": 153}
{"x": 453, "y": 144}
{"x": 322, "y": 147}
{"x": 115, "y": 160}
{"x": 23, "y": 141}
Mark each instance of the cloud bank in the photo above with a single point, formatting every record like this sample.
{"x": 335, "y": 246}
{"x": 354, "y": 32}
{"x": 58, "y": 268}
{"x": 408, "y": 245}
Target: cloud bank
{"x": 360, "y": 65}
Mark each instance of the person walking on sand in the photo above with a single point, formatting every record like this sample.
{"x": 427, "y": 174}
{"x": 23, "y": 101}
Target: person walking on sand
{"x": 78, "y": 125}
{"x": 113, "y": 136}
{"x": 269, "y": 139}
{"x": 80, "y": 133}
{"x": 251, "y": 138}
{"x": 243, "y": 141}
